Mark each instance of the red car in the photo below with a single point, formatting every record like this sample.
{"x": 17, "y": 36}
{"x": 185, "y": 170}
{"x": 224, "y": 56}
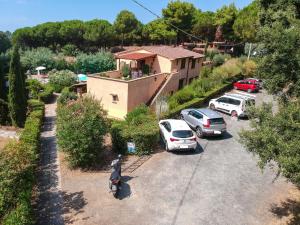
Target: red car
{"x": 246, "y": 85}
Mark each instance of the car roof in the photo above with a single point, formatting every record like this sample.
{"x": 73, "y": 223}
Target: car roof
{"x": 209, "y": 113}
{"x": 178, "y": 124}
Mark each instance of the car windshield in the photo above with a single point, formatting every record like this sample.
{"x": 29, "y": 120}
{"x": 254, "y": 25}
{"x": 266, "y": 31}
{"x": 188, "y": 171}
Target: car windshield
{"x": 182, "y": 133}
{"x": 217, "y": 121}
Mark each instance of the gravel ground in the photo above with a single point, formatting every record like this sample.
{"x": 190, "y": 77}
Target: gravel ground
{"x": 220, "y": 184}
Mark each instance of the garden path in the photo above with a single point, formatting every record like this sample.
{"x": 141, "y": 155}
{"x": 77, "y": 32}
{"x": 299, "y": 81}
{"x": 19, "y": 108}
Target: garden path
{"x": 49, "y": 204}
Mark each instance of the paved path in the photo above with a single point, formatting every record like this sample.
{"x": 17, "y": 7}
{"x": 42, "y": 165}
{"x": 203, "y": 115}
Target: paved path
{"x": 8, "y": 133}
{"x": 49, "y": 201}
{"x": 220, "y": 184}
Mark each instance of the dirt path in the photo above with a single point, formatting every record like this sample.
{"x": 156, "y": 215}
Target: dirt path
{"x": 49, "y": 204}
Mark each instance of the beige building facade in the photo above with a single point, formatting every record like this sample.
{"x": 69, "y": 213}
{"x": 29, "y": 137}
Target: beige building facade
{"x": 169, "y": 69}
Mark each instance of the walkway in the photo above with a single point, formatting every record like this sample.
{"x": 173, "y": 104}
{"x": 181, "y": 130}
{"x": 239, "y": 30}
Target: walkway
{"x": 49, "y": 205}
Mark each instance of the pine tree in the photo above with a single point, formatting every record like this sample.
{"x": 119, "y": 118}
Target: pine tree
{"x": 17, "y": 102}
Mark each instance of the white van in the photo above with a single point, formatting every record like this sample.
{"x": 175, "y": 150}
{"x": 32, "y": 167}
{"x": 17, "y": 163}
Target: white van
{"x": 233, "y": 104}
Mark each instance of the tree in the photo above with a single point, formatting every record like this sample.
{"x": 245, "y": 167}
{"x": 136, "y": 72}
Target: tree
{"x": 224, "y": 20}
{"x": 4, "y": 42}
{"x": 81, "y": 126}
{"x": 127, "y": 26}
{"x": 280, "y": 65}
{"x": 276, "y": 138}
{"x": 61, "y": 79}
{"x": 17, "y": 102}
{"x": 180, "y": 14}
{"x": 204, "y": 26}
{"x": 246, "y": 24}
{"x": 159, "y": 32}
{"x": 98, "y": 33}
{"x": 3, "y": 95}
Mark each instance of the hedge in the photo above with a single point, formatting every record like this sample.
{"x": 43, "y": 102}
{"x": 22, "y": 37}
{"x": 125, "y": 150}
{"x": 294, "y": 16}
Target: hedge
{"x": 140, "y": 127}
{"x": 17, "y": 170}
{"x": 199, "y": 102}
{"x": 47, "y": 94}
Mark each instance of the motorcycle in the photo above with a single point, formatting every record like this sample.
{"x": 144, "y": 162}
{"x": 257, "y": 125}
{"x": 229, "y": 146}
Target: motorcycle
{"x": 115, "y": 183}
{"x": 115, "y": 177}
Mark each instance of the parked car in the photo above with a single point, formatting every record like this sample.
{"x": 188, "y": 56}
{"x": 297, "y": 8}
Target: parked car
{"x": 246, "y": 85}
{"x": 204, "y": 121}
{"x": 177, "y": 135}
{"x": 233, "y": 104}
{"x": 256, "y": 81}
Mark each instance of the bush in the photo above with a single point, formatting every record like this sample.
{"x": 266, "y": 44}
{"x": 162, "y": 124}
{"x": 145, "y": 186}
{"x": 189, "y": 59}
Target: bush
{"x": 70, "y": 50}
{"x": 61, "y": 79}
{"x": 95, "y": 63}
{"x": 210, "y": 53}
{"x": 220, "y": 59}
{"x": 205, "y": 72}
{"x": 66, "y": 95}
{"x": 31, "y": 59}
{"x": 180, "y": 97}
{"x": 33, "y": 87}
{"x": 17, "y": 170}
{"x": 81, "y": 126}
{"x": 249, "y": 68}
{"x": 140, "y": 126}
{"x": 46, "y": 94}
{"x": 125, "y": 71}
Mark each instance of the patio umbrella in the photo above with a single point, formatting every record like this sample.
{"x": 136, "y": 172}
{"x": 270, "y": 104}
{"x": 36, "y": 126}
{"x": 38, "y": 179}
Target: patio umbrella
{"x": 40, "y": 68}
{"x": 82, "y": 77}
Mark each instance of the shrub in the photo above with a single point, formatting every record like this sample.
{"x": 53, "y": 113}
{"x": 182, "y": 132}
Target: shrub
{"x": 180, "y": 97}
{"x": 70, "y": 50}
{"x": 46, "y": 94}
{"x": 81, "y": 126}
{"x": 95, "y": 63}
{"x": 125, "y": 71}
{"x": 31, "y": 59}
{"x": 17, "y": 170}
{"x": 205, "y": 72}
{"x": 210, "y": 53}
{"x": 140, "y": 127}
{"x": 61, "y": 79}
{"x": 249, "y": 68}
{"x": 66, "y": 95}
{"x": 33, "y": 87}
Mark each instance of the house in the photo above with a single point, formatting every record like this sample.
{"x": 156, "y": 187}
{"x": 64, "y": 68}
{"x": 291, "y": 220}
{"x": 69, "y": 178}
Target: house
{"x": 153, "y": 71}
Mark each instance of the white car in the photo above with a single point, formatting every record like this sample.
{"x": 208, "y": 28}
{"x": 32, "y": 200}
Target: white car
{"x": 233, "y": 104}
{"x": 177, "y": 135}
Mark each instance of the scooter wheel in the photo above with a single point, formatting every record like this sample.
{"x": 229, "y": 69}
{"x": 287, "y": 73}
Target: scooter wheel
{"x": 115, "y": 194}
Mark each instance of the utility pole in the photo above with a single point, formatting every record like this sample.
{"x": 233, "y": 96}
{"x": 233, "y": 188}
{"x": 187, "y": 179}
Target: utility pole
{"x": 249, "y": 51}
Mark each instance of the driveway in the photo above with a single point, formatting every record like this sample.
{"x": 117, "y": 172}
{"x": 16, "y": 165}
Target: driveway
{"x": 219, "y": 184}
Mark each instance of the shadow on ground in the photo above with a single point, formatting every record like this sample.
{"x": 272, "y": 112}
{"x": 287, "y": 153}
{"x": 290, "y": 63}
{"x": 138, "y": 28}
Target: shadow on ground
{"x": 125, "y": 192}
{"x": 73, "y": 205}
{"x": 289, "y": 208}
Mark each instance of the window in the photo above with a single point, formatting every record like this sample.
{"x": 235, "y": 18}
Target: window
{"x": 183, "y": 133}
{"x": 198, "y": 116}
{"x": 167, "y": 126}
{"x": 177, "y": 62}
{"x": 234, "y": 101}
{"x": 115, "y": 98}
{"x": 222, "y": 100}
{"x": 193, "y": 63}
{"x": 182, "y": 64}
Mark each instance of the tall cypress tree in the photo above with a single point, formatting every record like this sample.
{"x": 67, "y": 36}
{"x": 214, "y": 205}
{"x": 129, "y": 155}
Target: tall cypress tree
{"x": 3, "y": 94}
{"x": 17, "y": 102}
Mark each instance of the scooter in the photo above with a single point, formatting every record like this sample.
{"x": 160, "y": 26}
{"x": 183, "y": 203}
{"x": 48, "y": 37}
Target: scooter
{"x": 115, "y": 183}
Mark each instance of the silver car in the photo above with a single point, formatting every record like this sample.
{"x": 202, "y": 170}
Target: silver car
{"x": 204, "y": 121}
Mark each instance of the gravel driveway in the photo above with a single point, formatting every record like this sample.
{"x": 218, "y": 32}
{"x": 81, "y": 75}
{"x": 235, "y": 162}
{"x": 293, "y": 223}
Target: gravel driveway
{"x": 219, "y": 184}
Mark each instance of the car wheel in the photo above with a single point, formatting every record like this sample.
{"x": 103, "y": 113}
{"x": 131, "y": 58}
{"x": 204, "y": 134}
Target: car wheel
{"x": 249, "y": 91}
{"x": 234, "y": 113}
{"x": 212, "y": 107}
{"x": 199, "y": 132}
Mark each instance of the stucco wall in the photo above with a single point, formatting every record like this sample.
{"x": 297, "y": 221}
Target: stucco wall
{"x": 103, "y": 88}
{"x": 142, "y": 89}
